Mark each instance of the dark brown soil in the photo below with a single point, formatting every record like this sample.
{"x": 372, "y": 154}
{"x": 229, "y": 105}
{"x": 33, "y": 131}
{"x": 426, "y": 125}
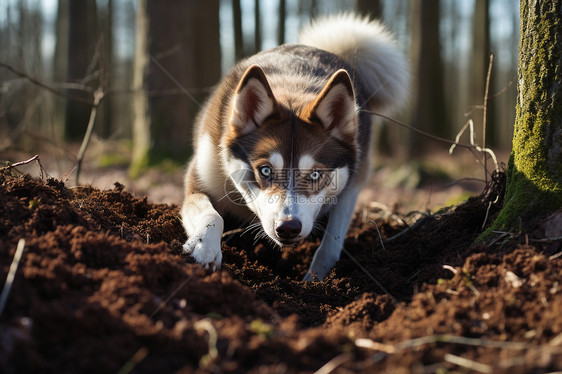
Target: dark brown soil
{"x": 103, "y": 287}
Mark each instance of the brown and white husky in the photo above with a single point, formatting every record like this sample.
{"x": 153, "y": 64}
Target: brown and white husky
{"x": 283, "y": 138}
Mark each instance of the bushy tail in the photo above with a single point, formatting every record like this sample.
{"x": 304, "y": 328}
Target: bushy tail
{"x": 371, "y": 49}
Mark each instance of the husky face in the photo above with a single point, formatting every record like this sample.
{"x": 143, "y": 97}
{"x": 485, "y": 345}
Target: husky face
{"x": 290, "y": 161}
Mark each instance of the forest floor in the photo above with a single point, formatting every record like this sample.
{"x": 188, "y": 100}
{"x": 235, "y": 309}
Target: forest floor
{"x": 102, "y": 286}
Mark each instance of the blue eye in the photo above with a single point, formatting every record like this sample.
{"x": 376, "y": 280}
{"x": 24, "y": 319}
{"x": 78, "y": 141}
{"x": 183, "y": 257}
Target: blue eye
{"x": 315, "y": 175}
{"x": 265, "y": 171}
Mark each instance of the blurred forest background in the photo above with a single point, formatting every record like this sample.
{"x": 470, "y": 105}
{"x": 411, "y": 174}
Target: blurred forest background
{"x": 146, "y": 66}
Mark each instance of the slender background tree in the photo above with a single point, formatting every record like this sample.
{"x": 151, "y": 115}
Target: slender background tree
{"x": 429, "y": 112}
{"x": 139, "y": 102}
{"x": 182, "y": 43}
{"x": 82, "y": 44}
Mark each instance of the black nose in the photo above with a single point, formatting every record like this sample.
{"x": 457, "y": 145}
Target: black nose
{"x": 288, "y": 229}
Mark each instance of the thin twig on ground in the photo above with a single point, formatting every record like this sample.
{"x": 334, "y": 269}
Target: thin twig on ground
{"x": 416, "y": 225}
{"x": 440, "y": 338}
{"x": 11, "y": 274}
{"x": 136, "y": 359}
{"x": 555, "y": 256}
{"x": 384, "y": 349}
{"x": 334, "y": 363}
{"x": 547, "y": 240}
{"x": 213, "y": 352}
{"x": 380, "y": 235}
{"x": 468, "y": 364}
{"x": 501, "y": 236}
{"x": 487, "y": 214}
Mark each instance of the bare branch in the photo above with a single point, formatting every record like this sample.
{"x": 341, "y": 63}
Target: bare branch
{"x": 44, "y": 86}
{"x": 470, "y": 126}
{"x": 42, "y": 170}
{"x": 98, "y": 96}
{"x": 176, "y": 82}
{"x": 443, "y": 140}
{"x": 485, "y": 114}
{"x": 36, "y": 157}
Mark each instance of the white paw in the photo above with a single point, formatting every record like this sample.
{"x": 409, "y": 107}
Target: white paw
{"x": 204, "y": 245}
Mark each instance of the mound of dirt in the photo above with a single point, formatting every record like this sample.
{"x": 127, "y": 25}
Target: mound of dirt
{"x": 102, "y": 286}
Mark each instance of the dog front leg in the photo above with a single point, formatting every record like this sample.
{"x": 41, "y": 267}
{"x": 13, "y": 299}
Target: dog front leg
{"x": 328, "y": 253}
{"x": 204, "y": 227}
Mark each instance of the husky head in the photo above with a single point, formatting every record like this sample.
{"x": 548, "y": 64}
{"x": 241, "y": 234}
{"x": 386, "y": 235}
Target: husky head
{"x": 290, "y": 153}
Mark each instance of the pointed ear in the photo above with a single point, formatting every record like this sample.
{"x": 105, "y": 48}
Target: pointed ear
{"x": 253, "y": 100}
{"x": 335, "y": 106}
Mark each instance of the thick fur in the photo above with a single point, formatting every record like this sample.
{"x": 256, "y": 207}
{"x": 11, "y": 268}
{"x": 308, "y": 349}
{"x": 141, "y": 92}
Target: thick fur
{"x": 283, "y": 141}
{"x": 371, "y": 50}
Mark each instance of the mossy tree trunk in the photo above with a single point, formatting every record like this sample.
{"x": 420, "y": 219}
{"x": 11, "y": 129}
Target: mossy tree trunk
{"x": 534, "y": 173}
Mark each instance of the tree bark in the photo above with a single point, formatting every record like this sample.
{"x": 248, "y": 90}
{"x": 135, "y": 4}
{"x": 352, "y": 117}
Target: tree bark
{"x": 82, "y": 35}
{"x": 257, "y": 27}
{"x": 429, "y": 107}
{"x": 61, "y": 62}
{"x": 105, "y": 111}
{"x": 281, "y": 22}
{"x": 480, "y": 61}
{"x": 238, "y": 34}
{"x": 181, "y": 60}
{"x": 534, "y": 173}
{"x": 139, "y": 101}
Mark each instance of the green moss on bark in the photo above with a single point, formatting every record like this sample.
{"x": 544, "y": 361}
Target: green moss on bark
{"x": 534, "y": 173}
